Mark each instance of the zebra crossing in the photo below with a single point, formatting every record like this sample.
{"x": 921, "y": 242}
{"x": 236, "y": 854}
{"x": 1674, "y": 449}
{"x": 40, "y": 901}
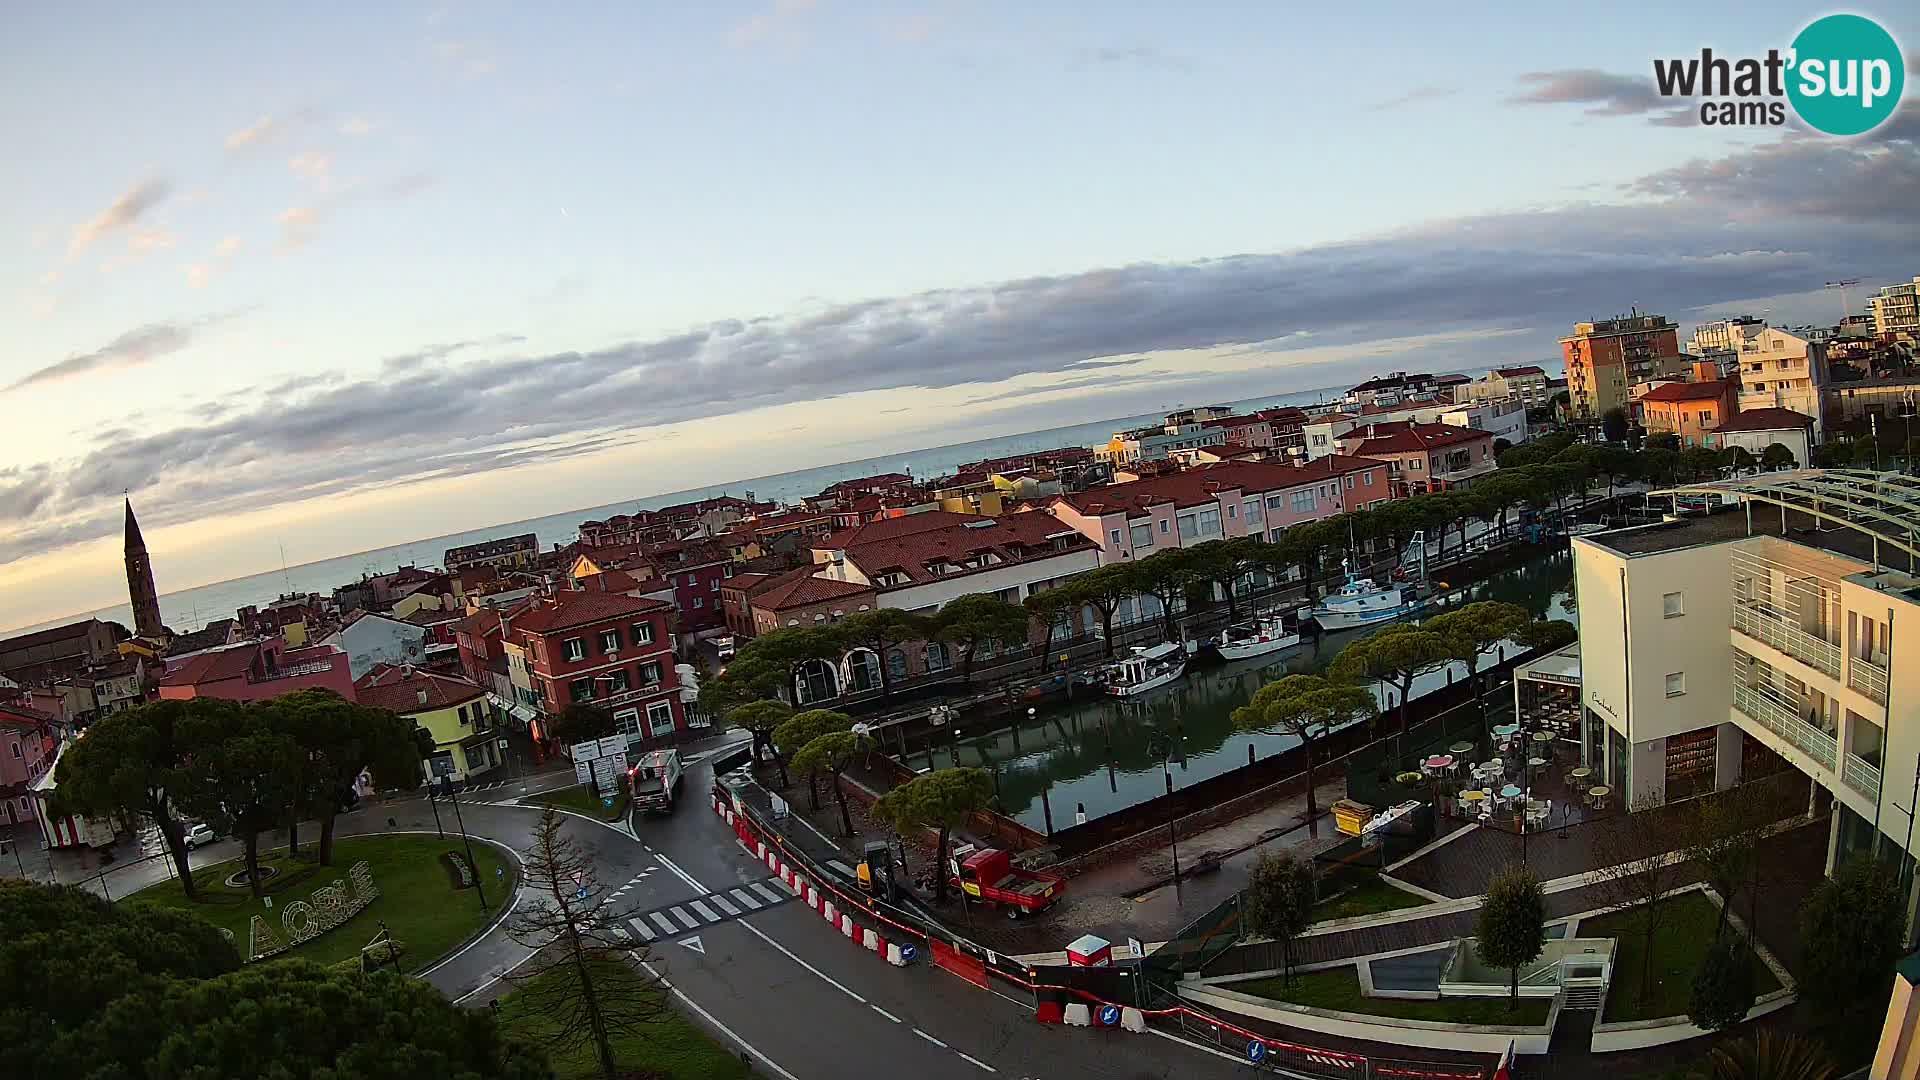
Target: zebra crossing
{"x": 673, "y": 920}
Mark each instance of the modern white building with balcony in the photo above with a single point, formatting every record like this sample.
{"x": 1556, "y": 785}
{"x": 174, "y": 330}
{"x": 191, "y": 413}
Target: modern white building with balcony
{"x": 1781, "y": 631}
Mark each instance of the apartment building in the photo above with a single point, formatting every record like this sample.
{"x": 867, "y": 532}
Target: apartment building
{"x": 1423, "y": 458}
{"x": 504, "y": 551}
{"x": 1180, "y": 431}
{"x": 612, "y": 650}
{"x": 1332, "y": 433}
{"x": 1527, "y": 383}
{"x": 1782, "y": 370}
{"x": 1896, "y": 310}
{"x": 1720, "y": 648}
{"x": 1605, "y": 357}
{"x": 1693, "y": 411}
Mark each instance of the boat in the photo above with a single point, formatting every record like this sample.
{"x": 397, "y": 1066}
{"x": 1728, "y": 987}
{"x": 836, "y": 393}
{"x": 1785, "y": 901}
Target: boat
{"x": 1588, "y": 528}
{"x": 1265, "y": 635}
{"x": 1149, "y": 668}
{"x": 1360, "y": 602}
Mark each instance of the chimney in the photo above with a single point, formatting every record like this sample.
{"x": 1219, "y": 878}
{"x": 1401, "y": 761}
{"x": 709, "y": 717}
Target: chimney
{"x": 421, "y": 694}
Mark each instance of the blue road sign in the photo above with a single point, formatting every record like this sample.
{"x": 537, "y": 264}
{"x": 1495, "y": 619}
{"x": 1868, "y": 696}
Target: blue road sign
{"x": 608, "y": 803}
{"x": 499, "y": 871}
{"x": 908, "y": 952}
{"x": 580, "y": 893}
{"x": 1109, "y": 1015}
{"x": 1256, "y": 1051}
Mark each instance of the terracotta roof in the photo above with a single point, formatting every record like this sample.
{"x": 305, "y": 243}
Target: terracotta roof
{"x": 746, "y": 583}
{"x": 912, "y": 546}
{"x": 1332, "y": 465}
{"x": 564, "y": 610}
{"x": 398, "y": 689}
{"x": 1284, "y": 415}
{"x": 1518, "y": 372}
{"x": 431, "y": 617}
{"x": 42, "y": 637}
{"x": 1231, "y": 451}
{"x": 798, "y": 588}
{"x": 1767, "y": 419}
{"x": 1414, "y": 437}
{"x": 214, "y": 633}
{"x": 1198, "y": 486}
{"x": 892, "y": 527}
{"x": 1687, "y": 391}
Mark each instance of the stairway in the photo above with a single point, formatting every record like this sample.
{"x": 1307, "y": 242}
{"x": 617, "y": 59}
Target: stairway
{"x": 1584, "y": 998}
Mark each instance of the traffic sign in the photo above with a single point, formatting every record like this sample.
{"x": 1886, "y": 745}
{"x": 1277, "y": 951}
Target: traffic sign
{"x": 1256, "y": 1051}
{"x": 1109, "y": 1015}
{"x": 908, "y": 952}
{"x": 499, "y": 871}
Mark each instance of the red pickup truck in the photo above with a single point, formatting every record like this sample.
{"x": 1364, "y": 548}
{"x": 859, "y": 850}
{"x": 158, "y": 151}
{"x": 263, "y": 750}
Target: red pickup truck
{"x": 990, "y": 877}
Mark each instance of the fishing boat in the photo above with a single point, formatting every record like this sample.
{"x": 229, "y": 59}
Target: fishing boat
{"x": 1268, "y": 634}
{"x": 1149, "y": 668}
{"x": 1360, "y": 602}
{"x": 1588, "y": 528}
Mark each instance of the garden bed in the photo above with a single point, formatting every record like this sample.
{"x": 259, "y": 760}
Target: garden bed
{"x": 1338, "y": 989}
{"x": 1371, "y": 897}
{"x": 581, "y": 800}
{"x": 670, "y": 1046}
{"x": 1679, "y": 946}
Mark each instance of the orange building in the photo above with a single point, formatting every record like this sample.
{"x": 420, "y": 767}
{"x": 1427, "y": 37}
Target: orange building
{"x": 1606, "y": 357}
{"x": 1691, "y": 410}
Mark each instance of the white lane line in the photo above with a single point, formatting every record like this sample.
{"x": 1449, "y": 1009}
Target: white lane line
{"x": 717, "y": 1025}
{"x": 681, "y": 914}
{"x": 976, "y": 1061}
{"x": 721, "y": 903}
{"x": 746, "y": 898}
{"x": 761, "y": 888}
{"x": 830, "y": 979}
{"x": 883, "y": 1012}
{"x": 682, "y": 874}
{"x": 705, "y": 911}
{"x": 931, "y": 1039}
{"x": 665, "y": 924}
{"x": 641, "y": 928}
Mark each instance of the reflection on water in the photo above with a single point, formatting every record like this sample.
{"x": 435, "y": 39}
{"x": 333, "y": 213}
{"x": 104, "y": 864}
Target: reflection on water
{"x": 1097, "y": 753}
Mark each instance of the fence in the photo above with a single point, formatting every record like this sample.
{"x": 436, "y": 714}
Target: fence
{"x": 1359, "y": 859}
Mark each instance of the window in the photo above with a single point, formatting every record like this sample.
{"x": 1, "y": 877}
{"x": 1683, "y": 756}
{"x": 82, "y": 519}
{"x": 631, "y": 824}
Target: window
{"x": 1143, "y": 535}
{"x": 1208, "y": 521}
{"x": 477, "y": 756}
{"x": 1676, "y": 683}
{"x": 1302, "y": 501}
{"x": 1414, "y": 465}
{"x": 699, "y": 601}
{"x": 16, "y": 748}
{"x": 617, "y": 681}
{"x": 609, "y": 641}
{"x": 1163, "y": 526}
{"x": 573, "y": 649}
{"x": 1275, "y": 502}
{"x": 1366, "y": 479}
{"x": 582, "y": 689}
{"x": 1349, "y": 481}
{"x": 660, "y": 718}
{"x": 1115, "y": 535}
{"x": 1189, "y": 528}
{"x": 642, "y": 633}
{"x": 1252, "y": 514}
{"x": 627, "y": 722}
{"x": 1672, "y": 605}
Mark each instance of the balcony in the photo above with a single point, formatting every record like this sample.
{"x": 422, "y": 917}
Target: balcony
{"x": 1862, "y": 776}
{"x": 1771, "y": 709}
{"x": 1763, "y": 624}
{"x": 1868, "y": 677}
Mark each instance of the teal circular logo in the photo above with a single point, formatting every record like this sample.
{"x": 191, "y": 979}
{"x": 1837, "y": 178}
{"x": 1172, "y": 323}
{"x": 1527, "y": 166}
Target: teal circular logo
{"x": 1846, "y": 74}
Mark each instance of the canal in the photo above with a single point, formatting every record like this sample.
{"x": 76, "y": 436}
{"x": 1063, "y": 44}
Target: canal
{"x": 1097, "y": 753}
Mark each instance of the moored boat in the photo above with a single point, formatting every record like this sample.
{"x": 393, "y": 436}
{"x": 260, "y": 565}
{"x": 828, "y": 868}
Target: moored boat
{"x": 1149, "y": 668}
{"x": 1268, "y": 634}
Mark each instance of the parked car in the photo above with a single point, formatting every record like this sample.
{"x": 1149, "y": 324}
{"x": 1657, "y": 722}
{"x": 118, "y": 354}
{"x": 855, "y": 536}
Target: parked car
{"x": 199, "y": 834}
{"x": 724, "y": 646}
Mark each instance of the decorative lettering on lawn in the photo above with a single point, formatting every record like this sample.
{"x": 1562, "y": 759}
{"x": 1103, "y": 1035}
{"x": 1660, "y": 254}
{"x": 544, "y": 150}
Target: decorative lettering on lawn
{"x": 329, "y": 907}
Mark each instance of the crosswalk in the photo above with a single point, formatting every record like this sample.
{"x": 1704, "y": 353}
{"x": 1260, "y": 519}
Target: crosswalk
{"x": 676, "y": 919}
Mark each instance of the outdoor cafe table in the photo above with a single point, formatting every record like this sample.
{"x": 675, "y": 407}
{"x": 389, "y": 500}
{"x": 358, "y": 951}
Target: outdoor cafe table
{"x": 1536, "y": 762}
{"x": 1599, "y": 793}
{"x": 1580, "y": 773}
{"x": 1543, "y": 737}
{"x": 1460, "y": 748}
{"x": 1472, "y": 795}
{"x": 1439, "y": 762}
{"x": 1507, "y": 731}
{"x": 1510, "y": 792}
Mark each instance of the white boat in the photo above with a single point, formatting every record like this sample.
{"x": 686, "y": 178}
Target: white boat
{"x": 1147, "y": 669}
{"x": 1587, "y": 528}
{"x": 1265, "y": 635}
{"x": 1360, "y": 602}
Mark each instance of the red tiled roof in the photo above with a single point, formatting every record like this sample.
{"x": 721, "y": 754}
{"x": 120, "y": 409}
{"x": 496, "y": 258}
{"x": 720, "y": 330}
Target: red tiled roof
{"x": 1231, "y": 451}
{"x": 431, "y": 617}
{"x": 397, "y": 689}
{"x": 1413, "y": 437}
{"x": 1284, "y": 415}
{"x": 1197, "y": 487}
{"x": 798, "y": 588}
{"x": 889, "y": 528}
{"x": 746, "y": 583}
{"x": 953, "y": 539}
{"x": 1767, "y": 419}
{"x": 565, "y": 610}
{"x": 1687, "y": 391}
{"x": 213, "y": 666}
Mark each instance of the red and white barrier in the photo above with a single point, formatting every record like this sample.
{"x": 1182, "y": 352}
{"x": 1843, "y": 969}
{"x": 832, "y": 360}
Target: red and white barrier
{"x": 846, "y": 925}
{"x": 869, "y": 940}
{"x": 828, "y": 911}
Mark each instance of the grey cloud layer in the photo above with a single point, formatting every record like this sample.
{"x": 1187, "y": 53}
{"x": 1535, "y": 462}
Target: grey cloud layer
{"x": 1769, "y": 222}
{"x": 1606, "y": 94}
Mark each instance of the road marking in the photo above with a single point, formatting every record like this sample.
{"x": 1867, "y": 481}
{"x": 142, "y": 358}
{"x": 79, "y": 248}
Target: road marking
{"x": 721, "y": 903}
{"x": 830, "y": 979}
{"x": 761, "y": 888}
{"x": 621, "y": 934}
{"x": 746, "y": 898}
{"x": 718, "y": 1026}
{"x": 641, "y": 928}
{"x": 665, "y": 924}
{"x": 705, "y": 911}
{"x": 976, "y": 1061}
{"x": 682, "y": 874}
{"x": 931, "y": 1039}
{"x": 694, "y": 944}
{"x": 687, "y": 920}
{"x": 883, "y": 1012}
{"x": 843, "y": 869}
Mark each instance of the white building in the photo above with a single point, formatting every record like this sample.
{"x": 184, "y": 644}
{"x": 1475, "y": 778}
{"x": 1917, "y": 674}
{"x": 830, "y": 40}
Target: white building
{"x": 1180, "y": 432}
{"x": 1777, "y": 369}
{"x": 1503, "y": 419}
{"x": 1772, "y": 634}
{"x": 375, "y": 639}
{"x": 1755, "y": 430}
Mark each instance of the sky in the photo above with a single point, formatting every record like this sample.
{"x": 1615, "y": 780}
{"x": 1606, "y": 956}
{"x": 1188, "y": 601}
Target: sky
{"x": 338, "y": 278}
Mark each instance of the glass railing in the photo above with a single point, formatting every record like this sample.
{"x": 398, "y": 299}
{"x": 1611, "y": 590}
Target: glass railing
{"x": 1770, "y": 710}
{"x": 1761, "y": 624}
{"x": 1867, "y": 677}
{"x": 1862, "y": 776}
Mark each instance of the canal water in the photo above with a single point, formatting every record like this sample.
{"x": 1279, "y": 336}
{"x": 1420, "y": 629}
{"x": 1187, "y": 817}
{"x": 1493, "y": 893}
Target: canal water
{"x": 1098, "y": 752}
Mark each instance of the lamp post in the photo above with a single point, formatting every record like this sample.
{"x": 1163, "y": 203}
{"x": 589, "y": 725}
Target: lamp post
{"x": 1165, "y": 744}
{"x": 479, "y": 885}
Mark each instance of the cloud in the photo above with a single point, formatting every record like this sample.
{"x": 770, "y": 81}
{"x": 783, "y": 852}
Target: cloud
{"x": 468, "y": 58}
{"x": 1417, "y": 96}
{"x": 356, "y": 126}
{"x": 131, "y": 349}
{"x": 260, "y": 131}
{"x": 123, "y": 213}
{"x": 312, "y": 164}
{"x": 780, "y": 20}
{"x": 1607, "y": 94}
{"x": 201, "y": 273}
{"x": 1137, "y": 56}
{"x": 145, "y": 241}
{"x": 296, "y": 226}
{"x": 1768, "y": 222}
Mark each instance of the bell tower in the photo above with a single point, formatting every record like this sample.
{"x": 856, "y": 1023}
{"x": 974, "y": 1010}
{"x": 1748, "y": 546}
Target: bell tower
{"x": 146, "y": 600}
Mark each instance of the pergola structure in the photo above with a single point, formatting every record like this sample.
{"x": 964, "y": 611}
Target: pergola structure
{"x": 1884, "y": 506}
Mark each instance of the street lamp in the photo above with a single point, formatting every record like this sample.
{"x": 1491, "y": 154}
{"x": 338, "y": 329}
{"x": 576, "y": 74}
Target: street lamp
{"x": 1163, "y": 745}
{"x": 479, "y": 885}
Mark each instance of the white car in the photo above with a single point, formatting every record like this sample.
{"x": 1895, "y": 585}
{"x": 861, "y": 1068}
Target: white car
{"x": 200, "y": 834}
{"x": 724, "y": 647}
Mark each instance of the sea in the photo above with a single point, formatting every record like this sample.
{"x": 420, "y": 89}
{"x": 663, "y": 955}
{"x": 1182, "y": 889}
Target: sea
{"x": 190, "y": 609}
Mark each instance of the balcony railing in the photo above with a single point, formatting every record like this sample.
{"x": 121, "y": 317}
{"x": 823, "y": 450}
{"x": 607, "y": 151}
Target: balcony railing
{"x": 1771, "y": 710}
{"x": 1862, "y": 776}
{"x": 1867, "y": 677}
{"x": 1762, "y": 624}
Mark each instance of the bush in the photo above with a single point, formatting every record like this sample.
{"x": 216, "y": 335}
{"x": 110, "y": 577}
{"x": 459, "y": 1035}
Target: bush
{"x": 1723, "y": 987}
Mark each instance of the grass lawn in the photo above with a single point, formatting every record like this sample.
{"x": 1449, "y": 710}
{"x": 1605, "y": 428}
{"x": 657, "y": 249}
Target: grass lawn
{"x": 1371, "y": 898}
{"x": 417, "y": 899}
{"x": 581, "y": 800}
{"x": 1339, "y": 988}
{"x": 1679, "y": 945}
{"x": 671, "y": 1045}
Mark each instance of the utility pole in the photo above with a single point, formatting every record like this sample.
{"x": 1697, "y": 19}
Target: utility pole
{"x": 479, "y": 884}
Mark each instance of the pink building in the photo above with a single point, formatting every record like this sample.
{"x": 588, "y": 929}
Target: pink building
{"x": 1423, "y": 458}
{"x": 258, "y": 670}
{"x": 1213, "y": 502}
{"x": 26, "y": 751}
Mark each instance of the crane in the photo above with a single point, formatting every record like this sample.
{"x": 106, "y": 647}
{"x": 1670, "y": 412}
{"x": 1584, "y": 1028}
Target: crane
{"x": 1843, "y": 285}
